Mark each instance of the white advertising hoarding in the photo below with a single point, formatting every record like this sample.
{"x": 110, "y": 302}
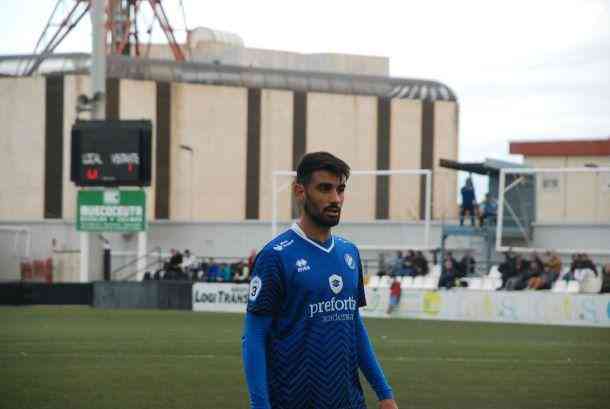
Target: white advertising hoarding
{"x": 220, "y": 297}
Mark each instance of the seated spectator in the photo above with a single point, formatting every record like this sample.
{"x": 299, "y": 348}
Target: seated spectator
{"x": 467, "y": 265}
{"x": 448, "y": 275}
{"x": 213, "y": 271}
{"x": 173, "y": 268}
{"x": 606, "y": 279}
{"x": 421, "y": 263}
{"x": 396, "y": 264}
{"x": 490, "y": 211}
{"x": 521, "y": 274}
{"x": 189, "y": 265}
{"x": 408, "y": 269}
{"x": 507, "y": 268}
{"x": 225, "y": 273}
{"x": 243, "y": 273}
{"x": 538, "y": 275}
{"x": 469, "y": 202}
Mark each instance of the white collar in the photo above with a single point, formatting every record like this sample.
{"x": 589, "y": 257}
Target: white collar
{"x": 297, "y": 229}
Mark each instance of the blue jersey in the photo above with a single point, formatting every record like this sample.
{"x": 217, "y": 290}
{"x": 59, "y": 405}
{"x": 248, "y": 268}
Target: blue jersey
{"x": 313, "y": 292}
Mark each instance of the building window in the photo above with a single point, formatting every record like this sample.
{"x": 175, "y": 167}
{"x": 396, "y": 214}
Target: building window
{"x": 550, "y": 183}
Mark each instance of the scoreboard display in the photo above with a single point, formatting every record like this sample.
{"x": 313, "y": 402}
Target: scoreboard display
{"x": 111, "y": 153}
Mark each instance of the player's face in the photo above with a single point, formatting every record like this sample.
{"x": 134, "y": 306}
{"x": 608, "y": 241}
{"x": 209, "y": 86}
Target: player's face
{"x": 323, "y": 198}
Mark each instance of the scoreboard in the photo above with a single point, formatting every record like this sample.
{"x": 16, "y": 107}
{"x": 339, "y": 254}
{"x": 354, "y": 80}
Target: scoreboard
{"x": 111, "y": 153}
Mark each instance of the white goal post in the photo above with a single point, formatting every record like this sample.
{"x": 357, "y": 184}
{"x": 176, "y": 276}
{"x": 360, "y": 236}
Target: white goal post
{"x": 553, "y": 188}
{"x": 276, "y": 188}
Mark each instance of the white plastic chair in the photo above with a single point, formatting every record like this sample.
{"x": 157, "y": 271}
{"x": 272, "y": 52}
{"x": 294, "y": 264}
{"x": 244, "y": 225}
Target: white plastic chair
{"x": 573, "y": 287}
{"x": 497, "y": 283}
{"x": 475, "y": 283}
{"x": 436, "y": 270}
{"x": 431, "y": 282}
{"x": 385, "y": 281}
{"x": 592, "y": 283}
{"x": 560, "y": 286}
{"x": 406, "y": 283}
{"x": 418, "y": 282}
{"x": 373, "y": 281}
{"x": 494, "y": 272}
{"x": 488, "y": 284}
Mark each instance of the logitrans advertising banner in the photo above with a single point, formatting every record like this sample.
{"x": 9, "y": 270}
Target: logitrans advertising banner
{"x": 531, "y": 307}
{"x": 220, "y": 297}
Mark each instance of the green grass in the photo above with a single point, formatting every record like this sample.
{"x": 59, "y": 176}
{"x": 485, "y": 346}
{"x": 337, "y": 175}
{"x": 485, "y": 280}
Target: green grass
{"x": 72, "y": 357}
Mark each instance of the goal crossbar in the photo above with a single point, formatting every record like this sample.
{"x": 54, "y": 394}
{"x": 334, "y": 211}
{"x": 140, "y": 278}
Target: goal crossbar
{"x": 427, "y": 173}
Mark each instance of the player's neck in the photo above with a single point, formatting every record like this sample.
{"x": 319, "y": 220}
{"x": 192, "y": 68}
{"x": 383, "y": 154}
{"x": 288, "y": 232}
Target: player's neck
{"x": 313, "y": 230}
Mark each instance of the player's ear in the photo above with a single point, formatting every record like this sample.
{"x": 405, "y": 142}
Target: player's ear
{"x": 299, "y": 191}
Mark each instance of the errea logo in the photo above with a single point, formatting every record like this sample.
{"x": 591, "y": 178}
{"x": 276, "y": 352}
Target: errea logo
{"x": 302, "y": 265}
{"x": 282, "y": 245}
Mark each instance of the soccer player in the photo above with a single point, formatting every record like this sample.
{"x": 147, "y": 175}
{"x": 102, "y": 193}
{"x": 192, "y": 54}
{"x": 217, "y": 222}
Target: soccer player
{"x": 304, "y": 339}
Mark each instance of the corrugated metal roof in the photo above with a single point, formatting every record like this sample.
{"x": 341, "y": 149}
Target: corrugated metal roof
{"x": 219, "y": 74}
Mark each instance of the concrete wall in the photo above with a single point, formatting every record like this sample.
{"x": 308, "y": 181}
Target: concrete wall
{"x": 22, "y": 148}
{"x": 138, "y": 101}
{"x": 276, "y": 150}
{"x": 577, "y": 197}
{"x": 347, "y": 126}
{"x": 208, "y": 183}
{"x": 405, "y": 153}
{"x": 445, "y": 147}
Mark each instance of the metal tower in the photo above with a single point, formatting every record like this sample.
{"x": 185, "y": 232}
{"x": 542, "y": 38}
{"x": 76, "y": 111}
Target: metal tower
{"x": 122, "y": 30}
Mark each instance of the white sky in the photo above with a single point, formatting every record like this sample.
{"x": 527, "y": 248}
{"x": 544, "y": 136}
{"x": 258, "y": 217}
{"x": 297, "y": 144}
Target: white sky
{"x": 522, "y": 69}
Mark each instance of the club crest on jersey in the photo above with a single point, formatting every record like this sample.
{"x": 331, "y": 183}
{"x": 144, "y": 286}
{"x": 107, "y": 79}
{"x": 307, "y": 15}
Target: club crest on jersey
{"x": 336, "y": 283}
{"x": 302, "y": 265}
{"x": 349, "y": 260}
{"x": 255, "y": 288}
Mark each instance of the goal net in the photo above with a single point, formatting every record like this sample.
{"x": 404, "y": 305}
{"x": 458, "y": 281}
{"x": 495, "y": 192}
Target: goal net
{"x": 384, "y": 210}
{"x": 566, "y": 210}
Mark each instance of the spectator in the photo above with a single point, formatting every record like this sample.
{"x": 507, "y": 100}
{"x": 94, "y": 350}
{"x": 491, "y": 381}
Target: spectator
{"x": 538, "y": 274}
{"x": 408, "y": 268}
{"x": 225, "y": 273}
{"x": 213, "y": 271}
{"x": 396, "y": 264}
{"x": 490, "y": 211}
{"x": 448, "y": 274}
{"x": 521, "y": 275}
{"x": 395, "y": 292}
{"x": 469, "y": 202}
{"x": 467, "y": 265}
{"x": 421, "y": 263}
{"x": 606, "y": 279}
{"x": 507, "y": 268}
{"x": 174, "y": 267}
{"x": 189, "y": 265}
{"x": 251, "y": 259}
{"x": 243, "y": 273}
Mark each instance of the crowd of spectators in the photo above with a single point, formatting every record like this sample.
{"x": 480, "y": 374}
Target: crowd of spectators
{"x": 412, "y": 263}
{"x": 539, "y": 272}
{"x": 185, "y": 266}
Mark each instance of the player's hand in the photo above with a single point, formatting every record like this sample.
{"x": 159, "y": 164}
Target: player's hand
{"x": 387, "y": 404}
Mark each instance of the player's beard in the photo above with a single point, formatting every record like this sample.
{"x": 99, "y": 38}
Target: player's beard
{"x": 318, "y": 217}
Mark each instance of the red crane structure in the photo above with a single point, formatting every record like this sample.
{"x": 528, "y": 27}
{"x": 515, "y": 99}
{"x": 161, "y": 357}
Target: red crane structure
{"x": 122, "y": 29}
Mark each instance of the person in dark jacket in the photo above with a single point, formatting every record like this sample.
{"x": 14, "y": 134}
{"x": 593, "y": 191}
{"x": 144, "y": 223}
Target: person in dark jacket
{"x": 469, "y": 202}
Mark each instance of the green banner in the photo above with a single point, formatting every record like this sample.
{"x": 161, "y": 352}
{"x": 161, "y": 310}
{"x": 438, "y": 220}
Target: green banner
{"x": 111, "y": 210}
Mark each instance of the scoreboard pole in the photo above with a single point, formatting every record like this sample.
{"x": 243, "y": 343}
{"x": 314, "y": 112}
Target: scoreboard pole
{"x": 98, "y": 88}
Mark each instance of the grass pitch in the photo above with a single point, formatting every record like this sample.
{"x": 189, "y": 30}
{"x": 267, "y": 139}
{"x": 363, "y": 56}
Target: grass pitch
{"x": 73, "y": 357}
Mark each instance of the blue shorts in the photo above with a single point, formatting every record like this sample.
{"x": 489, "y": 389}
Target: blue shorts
{"x": 394, "y": 300}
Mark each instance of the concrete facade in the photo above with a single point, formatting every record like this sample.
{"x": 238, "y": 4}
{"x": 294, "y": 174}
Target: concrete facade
{"x": 276, "y": 150}
{"x": 572, "y": 197}
{"x": 22, "y": 148}
{"x": 405, "y": 153}
{"x": 208, "y": 183}
{"x": 446, "y": 145}
{"x": 346, "y": 126}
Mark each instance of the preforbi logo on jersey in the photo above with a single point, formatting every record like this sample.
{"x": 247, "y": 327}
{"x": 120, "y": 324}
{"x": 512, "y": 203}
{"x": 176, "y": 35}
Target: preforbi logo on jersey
{"x": 336, "y": 283}
{"x": 349, "y": 260}
{"x": 255, "y": 288}
{"x": 302, "y": 265}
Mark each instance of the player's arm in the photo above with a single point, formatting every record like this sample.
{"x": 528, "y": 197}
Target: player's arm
{"x": 255, "y": 359}
{"x": 370, "y": 367}
{"x": 264, "y": 299}
{"x": 367, "y": 361}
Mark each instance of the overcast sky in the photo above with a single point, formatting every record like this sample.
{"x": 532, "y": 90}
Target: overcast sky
{"x": 522, "y": 69}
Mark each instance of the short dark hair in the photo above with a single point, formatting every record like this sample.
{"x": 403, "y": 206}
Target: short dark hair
{"x": 315, "y": 161}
